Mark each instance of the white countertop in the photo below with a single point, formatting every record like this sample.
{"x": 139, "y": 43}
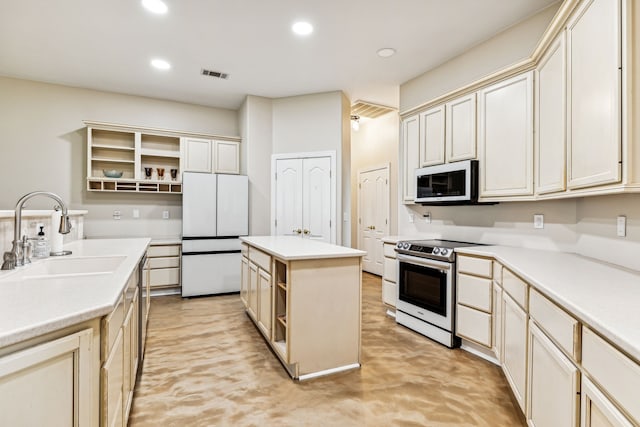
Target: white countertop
{"x": 289, "y": 248}
{"x": 396, "y": 239}
{"x": 30, "y": 307}
{"x": 603, "y": 296}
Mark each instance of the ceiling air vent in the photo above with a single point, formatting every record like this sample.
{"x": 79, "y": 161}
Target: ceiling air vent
{"x": 369, "y": 109}
{"x": 216, "y": 74}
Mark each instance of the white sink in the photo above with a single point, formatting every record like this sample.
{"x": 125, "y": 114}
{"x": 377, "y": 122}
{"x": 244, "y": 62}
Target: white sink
{"x": 73, "y": 266}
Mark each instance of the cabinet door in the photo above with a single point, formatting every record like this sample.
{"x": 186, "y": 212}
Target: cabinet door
{"x": 265, "y": 313}
{"x": 244, "y": 281}
{"x": 48, "y": 384}
{"x": 432, "y": 136}
{"x": 552, "y": 384}
{"x": 111, "y": 411}
{"x": 226, "y": 157}
{"x": 594, "y": 65}
{"x": 597, "y": 410}
{"x": 496, "y": 323}
{"x": 550, "y": 144}
{"x": 253, "y": 290}
{"x": 506, "y": 137}
{"x": 127, "y": 373}
{"x": 514, "y": 342}
{"x": 461, "y": 128}
{"x": 410, "y": 157}
{"x": 197, "y": 154}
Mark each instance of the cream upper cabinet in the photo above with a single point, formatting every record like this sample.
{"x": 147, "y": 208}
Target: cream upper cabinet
{"x": 226, "y": 157}
{"x": 506, "y": 137}
{"x": 514, "y": 347}
{"x": 410, "y": 157}
{"x": 550, "y": 142}
{"x": 461, "y": 128}
{"x": 432, "y": 124}
{"x": 49, "y": 384}
{"x": 197, "y": 154}
{"x": 552, "y": 382}
{"x": 594, "y": 91}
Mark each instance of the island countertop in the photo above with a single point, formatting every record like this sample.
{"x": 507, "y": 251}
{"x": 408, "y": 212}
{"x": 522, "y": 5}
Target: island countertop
{"x": 289, "y": 248}
{"x": 33, "y": 306}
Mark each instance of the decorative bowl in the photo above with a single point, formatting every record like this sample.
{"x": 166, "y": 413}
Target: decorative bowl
{"x": 112, "y": 173}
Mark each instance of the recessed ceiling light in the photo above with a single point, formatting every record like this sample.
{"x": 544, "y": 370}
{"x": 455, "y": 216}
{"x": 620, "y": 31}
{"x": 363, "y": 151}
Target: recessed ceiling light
{"x": 155, "y": 6}
{"x": 386, "y": 52}
{"x": 160, "y": 64}
{"x": 302, "y": 28}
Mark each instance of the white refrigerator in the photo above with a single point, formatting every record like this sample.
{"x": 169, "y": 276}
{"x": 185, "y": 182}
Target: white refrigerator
{"x": 215, "y": 212}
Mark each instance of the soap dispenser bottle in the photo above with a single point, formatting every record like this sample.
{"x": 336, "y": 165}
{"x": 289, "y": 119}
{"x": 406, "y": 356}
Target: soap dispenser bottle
{"x": 41, "y": 245}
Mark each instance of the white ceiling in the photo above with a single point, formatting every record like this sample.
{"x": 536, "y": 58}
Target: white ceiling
{"x": 107, "y": 45}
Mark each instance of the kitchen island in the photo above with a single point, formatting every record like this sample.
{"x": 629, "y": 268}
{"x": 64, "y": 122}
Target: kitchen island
{"x": 305, "y": 298}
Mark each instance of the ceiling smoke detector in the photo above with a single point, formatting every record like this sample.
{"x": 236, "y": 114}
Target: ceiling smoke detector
{"x": 216, "y": 74}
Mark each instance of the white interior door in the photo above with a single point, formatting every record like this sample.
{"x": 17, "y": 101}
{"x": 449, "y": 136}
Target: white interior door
{"x": 316, "y": 198}
{"x": 288, "y": 196}
{"x": 373, "y": 223}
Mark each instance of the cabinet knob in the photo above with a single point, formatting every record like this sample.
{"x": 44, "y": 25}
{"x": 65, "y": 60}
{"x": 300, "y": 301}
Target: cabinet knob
{"x": 297, "y": 230}
{"x": 306, "y": 231}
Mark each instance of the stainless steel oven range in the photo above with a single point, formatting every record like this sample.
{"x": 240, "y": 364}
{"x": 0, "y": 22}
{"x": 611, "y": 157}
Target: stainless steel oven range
{"x": 426, "y": 288}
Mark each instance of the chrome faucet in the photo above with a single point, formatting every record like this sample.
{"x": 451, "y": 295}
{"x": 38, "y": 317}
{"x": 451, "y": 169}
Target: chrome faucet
{"x": 12, "y": 258}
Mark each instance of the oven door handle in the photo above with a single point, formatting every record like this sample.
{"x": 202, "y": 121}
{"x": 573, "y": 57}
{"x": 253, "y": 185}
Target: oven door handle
{"x": 445, "y": 267}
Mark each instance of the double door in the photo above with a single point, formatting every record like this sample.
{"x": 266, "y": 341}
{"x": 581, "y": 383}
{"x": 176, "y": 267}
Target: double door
{"x": 303, "y": 198}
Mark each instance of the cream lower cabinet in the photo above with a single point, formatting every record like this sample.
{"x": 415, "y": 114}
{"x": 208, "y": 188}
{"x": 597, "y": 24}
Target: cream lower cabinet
{"x": 553, "y": 384}
{"x": 49, "y": 384}
{"x": 389, "y": 275}
{"x": 505, "y": 138}
{"x": 514, "y": 347}
{"x": 474, "y": 300}
{"x": 597, "y": 410}
{"x": 265, "y": 313}
{"x": 244, "y": 281}
{"x": 496, "y": 313}
{"x": 163, "y": 265}
{"x": 253, "y": 291}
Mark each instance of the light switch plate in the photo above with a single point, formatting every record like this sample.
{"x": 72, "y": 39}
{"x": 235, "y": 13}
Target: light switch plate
{"x": 538, "y": 221}
{"x": 621, "y": 226}
{"x": 165, "y": 214}
{"x": 136, "y": 213}
{"x": 117, "y": 215}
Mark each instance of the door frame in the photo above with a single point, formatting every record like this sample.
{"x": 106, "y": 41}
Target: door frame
{"x": 333, "y": 184}
{"x": 386, "y": 166}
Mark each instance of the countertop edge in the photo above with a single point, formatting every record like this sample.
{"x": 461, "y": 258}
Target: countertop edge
{"x": 343, "y": 252}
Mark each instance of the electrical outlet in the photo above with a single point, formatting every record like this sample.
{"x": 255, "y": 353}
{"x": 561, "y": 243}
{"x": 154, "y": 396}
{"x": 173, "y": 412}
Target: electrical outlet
{"x": 412, "y": 218}
{"x": 117, "y": 215}
{"x": 427, "y": 217}
{"x": 165, "y": 214}
{"x": 621, "y": 226}
{"x": 538, "y": 221}
{"x": 136, "y": 213}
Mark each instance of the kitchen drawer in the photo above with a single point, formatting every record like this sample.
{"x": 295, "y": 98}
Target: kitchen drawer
{"x": 390, "y": 270}
{"x": 618, "y": 375}
{"x": 244, "y": 249}
{"x": 474, "y": 325}
{"x": 163, "y": 250}
{"x": 472, "y": 265}
{"x": 515, "y": 287}
{"x": 164, "y": 277}
{"x": 164, "y": 262}
{"x": 497, "y": 272}
{"x": 475, "y": 292}
{"x": 111, "y": 325}
{"x": 389, "y": 250}
{"x": 260, "y": 258}
{"x": 560, "y": 327}
{"x": 389, "y": 292}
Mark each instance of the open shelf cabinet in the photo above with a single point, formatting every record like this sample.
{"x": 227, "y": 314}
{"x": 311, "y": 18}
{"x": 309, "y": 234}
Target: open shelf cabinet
{"x": 280, "y": 332}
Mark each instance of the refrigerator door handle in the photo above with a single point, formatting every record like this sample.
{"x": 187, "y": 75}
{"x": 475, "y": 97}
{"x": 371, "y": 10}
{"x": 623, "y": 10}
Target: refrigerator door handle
{"x": 235, "y": 251}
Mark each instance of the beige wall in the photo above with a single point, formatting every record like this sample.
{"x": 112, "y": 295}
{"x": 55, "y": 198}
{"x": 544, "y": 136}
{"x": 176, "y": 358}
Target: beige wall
{"x": 375, "y": 144}
{"x": 44, "y": 148}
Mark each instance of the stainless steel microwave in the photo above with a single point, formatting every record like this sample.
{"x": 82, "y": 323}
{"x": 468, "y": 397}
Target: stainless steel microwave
{"x": 451, "y": 183}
